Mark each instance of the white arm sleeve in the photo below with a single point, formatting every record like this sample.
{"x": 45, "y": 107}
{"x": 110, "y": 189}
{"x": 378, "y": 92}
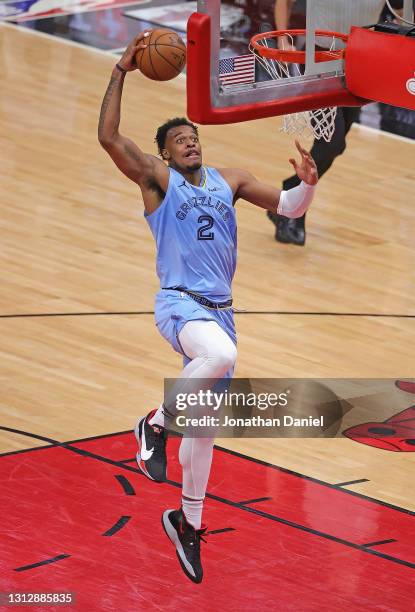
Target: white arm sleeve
{"x": 294, "y": 202}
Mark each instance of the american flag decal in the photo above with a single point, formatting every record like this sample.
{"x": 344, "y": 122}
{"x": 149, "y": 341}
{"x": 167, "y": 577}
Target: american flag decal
{"x": 237, "y": 70}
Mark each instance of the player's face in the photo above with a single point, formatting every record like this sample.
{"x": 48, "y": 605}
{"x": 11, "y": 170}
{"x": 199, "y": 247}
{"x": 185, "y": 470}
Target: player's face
{"x": 183, "y": 148}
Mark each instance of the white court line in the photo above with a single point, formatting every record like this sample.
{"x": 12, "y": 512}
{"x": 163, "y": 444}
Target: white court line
{"x": 383, "y": 132}
{"x": 179, "y": 78}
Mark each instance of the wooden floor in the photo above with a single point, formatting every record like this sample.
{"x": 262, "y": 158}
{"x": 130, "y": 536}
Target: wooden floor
{"x": 74, "y": 240}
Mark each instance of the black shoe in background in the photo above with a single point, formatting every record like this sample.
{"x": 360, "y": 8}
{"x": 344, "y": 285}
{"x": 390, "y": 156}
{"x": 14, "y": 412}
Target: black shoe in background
{"x": 288, "y": 231}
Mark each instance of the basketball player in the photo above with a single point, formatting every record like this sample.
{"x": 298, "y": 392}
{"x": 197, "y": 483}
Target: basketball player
{"x": 190, "y": 210}
{"x": 330, "y": 17}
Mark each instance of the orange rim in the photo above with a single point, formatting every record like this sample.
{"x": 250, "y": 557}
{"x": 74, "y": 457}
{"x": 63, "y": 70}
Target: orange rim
{"x": 296, "y": 57}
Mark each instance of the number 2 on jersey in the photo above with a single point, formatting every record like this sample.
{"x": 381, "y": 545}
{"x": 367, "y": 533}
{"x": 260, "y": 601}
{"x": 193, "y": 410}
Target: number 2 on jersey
{"x": 203, "y": 232}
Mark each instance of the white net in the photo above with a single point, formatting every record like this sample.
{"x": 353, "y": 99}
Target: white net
{"x": 318, "y": 123}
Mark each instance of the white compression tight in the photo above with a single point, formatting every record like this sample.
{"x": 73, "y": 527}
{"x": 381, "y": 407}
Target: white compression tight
{"x": 212, "y": 355}
{"x": 209, "y": 347}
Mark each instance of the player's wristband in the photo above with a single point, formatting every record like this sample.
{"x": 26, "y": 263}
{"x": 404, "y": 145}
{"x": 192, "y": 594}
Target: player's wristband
{"x": 121, "y": 69}
{"x": 295, "y": 202}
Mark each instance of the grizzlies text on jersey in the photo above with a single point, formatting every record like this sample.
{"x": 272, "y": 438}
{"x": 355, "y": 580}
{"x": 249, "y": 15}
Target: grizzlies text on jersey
{"x": 195, "y": 232}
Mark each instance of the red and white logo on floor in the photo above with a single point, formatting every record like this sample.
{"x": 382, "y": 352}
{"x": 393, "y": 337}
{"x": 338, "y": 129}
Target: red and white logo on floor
{"x": 25, "y": 10}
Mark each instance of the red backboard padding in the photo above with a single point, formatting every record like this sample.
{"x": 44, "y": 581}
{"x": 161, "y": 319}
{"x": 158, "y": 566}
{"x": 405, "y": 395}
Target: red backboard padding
{"x": 381, "y": 67}
{"x": 199, "y": 102}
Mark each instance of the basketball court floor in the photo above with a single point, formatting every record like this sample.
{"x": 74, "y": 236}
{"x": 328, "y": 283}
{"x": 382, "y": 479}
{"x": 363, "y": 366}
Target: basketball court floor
{"x": 293, "y": 524}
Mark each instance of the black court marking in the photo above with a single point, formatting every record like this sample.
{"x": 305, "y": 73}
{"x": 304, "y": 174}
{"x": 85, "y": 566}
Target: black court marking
{"x": 36, "y": 436}
{"x": 351, "y": 482}
{"x": 25, "y": 450}
{"x": 261, "y": 513}
{"x": 39, "y": 563}
{"x": 126, "y": 484}
{"x": 237, "y": 312}
{"x": 122, "y": 521}
{"x": 254, "y": 501}
{"x": 129, "y": 460}
{"x": 220, "y": 530}
{"x": 220, "y": 448}
{"x": 380, "y": 542}
{"x": 316, "y": 532}
{"x": 73, "y": 449}
{"x": 34, "y": 448}
{"x": 321, "y": 482}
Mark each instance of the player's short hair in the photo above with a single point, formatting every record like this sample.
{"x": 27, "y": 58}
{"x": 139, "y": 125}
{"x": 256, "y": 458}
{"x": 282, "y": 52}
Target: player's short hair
{"x": 171, "y": 123}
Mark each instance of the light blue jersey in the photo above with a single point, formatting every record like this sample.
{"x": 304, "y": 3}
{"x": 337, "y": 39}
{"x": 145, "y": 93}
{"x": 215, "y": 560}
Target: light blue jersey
{"x": 195, "y": 233}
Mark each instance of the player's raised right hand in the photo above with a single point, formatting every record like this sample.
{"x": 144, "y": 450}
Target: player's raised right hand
{"x": 127, "y": 61}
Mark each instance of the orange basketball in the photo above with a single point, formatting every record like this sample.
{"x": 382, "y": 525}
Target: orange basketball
{"x": 164, "y": 56}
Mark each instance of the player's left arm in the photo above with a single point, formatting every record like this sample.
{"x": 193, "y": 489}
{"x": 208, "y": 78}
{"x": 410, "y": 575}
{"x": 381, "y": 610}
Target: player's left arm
{"x": 291, "y": 203}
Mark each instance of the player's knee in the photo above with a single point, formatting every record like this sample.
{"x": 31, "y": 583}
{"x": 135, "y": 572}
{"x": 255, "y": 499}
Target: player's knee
{"x": 224, "y": 358}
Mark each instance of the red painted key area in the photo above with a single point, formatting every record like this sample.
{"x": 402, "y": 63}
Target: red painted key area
{"x": 86, "y": 509}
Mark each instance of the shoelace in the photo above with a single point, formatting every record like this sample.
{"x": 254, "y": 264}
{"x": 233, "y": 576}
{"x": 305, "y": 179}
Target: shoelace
{"x": 201, "y": 533}
{"x": 196, "y": 536}
{"x": 160, "y": 437}
{"x": 157, "y": 429}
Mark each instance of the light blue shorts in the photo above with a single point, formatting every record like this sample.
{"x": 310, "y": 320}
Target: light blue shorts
{"x": 174, "y": 309}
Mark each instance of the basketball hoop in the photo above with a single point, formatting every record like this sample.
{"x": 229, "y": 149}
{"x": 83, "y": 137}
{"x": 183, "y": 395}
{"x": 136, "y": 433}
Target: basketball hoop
{"x": 283, "y": 63}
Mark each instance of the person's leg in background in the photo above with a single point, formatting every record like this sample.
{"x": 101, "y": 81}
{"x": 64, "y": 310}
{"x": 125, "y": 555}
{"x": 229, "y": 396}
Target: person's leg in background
{"x": 324, "y": 153}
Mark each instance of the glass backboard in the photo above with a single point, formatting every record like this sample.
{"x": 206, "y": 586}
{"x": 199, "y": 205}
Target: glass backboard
{"x": 219, "y": 59}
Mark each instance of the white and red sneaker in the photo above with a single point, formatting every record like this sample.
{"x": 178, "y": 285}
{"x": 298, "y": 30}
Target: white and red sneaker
{"x": 186, "y": 539}
{"x": 151, "y": 455}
